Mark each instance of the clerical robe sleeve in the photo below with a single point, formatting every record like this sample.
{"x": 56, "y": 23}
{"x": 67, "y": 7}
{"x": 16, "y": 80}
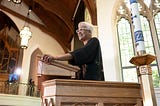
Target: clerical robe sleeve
{"x": 85, "y": 54}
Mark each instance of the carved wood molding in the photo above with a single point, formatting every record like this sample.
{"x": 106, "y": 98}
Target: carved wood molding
{"x": 91, "y": 83}
{"x": 91, "y": 93}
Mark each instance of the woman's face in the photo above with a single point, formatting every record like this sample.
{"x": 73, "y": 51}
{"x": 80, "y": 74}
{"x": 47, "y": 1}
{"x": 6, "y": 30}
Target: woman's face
{"x": 82, "y": 32}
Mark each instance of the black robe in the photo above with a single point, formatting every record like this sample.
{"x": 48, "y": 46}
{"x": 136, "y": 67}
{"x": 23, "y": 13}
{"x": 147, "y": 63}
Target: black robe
{"x": 90, "y": 57}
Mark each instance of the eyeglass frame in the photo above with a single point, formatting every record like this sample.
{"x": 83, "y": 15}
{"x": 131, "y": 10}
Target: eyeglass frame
{"x": 78, "y": 30}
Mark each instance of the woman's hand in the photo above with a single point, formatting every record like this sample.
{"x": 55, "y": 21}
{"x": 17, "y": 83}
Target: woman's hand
{"x": 47, "y": 58}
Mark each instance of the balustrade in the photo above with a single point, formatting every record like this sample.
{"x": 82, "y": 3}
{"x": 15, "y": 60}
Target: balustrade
{"x": 13, "y": 87}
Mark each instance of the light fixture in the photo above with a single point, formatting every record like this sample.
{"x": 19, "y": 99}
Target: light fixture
{"x": 25, "y": 33}
{"x": 16, "y": 1}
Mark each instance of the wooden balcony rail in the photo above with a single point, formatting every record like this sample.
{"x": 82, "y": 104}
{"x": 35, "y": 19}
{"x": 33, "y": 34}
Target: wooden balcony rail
{"x": 13, "y": 88}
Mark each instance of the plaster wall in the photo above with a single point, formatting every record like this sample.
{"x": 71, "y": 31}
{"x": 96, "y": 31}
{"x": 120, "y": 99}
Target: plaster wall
{"x": 46, "y": 43}
{"x": 106, "y": 35}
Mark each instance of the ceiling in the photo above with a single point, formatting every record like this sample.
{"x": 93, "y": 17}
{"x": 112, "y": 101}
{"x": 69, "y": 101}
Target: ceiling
{"x": 59, "y": 18}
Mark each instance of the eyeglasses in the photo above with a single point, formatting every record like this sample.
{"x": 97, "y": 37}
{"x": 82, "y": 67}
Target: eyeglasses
{"x": 78, "y": 30}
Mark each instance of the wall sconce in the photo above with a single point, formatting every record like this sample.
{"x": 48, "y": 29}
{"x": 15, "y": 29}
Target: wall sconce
{"x": 25, "y": 33}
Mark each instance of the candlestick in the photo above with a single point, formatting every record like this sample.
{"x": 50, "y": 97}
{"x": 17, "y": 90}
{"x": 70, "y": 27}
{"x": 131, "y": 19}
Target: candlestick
{"x": 143, "y": 60}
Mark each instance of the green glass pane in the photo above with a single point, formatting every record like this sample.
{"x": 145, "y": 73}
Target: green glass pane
{"x": 125, "y": 40}
{"x": 157, "y": 24}
{"x": 148, "y": 41}
{"x": 155, "y": 76}
{"x": 130, "y": 75}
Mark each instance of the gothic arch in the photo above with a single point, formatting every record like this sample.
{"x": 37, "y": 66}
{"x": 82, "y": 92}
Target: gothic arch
{"x": 33, "y": 65}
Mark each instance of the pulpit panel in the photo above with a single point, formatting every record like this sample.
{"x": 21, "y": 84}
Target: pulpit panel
{"x": 66, "y": 92}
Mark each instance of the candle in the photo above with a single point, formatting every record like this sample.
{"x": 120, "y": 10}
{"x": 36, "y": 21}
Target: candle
{"x": 138, "y": 34}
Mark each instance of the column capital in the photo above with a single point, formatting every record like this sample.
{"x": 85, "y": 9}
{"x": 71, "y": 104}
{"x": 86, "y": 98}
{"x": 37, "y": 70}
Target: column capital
{"x": 141, "y": 60}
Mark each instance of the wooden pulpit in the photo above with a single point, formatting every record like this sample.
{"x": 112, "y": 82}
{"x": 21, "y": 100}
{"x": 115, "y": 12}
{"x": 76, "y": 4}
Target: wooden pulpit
{"x": 55, "y": 70}
{"x": 59, "y": 88}
{"x": 66, "y": 92}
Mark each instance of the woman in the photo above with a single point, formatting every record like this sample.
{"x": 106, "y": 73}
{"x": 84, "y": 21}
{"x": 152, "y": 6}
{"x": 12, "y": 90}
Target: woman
{"x": 88, "y": 58}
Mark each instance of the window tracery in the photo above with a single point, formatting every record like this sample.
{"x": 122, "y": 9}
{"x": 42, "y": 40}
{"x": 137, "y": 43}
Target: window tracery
{"x": 149, "y": 10}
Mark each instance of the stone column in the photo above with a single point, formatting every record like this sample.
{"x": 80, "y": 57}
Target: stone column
{"x": 22, "y": 90}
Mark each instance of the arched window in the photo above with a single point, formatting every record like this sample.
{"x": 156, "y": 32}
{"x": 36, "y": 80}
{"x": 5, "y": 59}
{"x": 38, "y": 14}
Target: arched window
{"x": 126, "y": 38}
{"x": 147, "y": 36}
{"x": 157, "y": 25}
{"x": 126, "y": 51}
{"x": 150, "y": 48}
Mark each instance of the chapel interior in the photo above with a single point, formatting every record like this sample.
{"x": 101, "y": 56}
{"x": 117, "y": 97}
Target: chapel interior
{"x": 131, "y": 76}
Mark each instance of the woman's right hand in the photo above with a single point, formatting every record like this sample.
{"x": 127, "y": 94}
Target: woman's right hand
{"x": 47, "y": 58}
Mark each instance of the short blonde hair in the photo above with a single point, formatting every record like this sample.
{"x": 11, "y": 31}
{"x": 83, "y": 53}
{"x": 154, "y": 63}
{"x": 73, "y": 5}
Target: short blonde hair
{"x": 87, "y": 25}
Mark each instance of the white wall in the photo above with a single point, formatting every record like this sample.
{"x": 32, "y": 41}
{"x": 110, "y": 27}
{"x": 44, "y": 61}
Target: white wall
{"x": 105, "y": 10}
{"x": 46, "y": 43}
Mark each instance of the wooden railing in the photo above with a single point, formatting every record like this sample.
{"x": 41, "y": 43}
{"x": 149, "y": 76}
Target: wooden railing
{"x": 13, "y": 88}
